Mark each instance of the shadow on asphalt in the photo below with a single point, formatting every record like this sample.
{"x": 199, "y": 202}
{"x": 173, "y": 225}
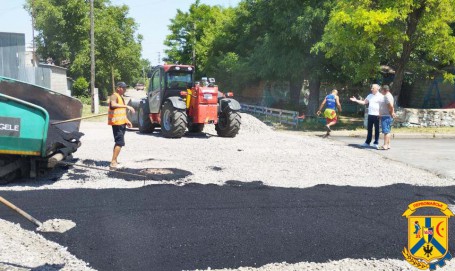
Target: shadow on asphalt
{"x": 167, "y": 227}
{"x": 359, "y": 146}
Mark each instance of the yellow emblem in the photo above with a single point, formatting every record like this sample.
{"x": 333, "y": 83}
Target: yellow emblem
{"x": 428, "y": 236}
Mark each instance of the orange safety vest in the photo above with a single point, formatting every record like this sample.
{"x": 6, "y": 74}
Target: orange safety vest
{"x": 117, "y": 116}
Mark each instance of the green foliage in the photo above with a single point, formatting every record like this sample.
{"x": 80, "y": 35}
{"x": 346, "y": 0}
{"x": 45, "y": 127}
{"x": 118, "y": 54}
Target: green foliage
{"x": 85, "y": 99}
{"x": 194, "y": 32}
{"x": 103, "y": 94}
{"x": 80, "y": 87}
{"x": 272, "y": 40}
{"x": 63, "y": 29}
{"x": 257, "y": 41}
{"x": 412, "y": 35}
{"x": 120, "y": 54}
{"x": 142, "y": 77}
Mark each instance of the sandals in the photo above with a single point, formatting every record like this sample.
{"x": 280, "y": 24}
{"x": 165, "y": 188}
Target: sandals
{"x": 383, "y": 148}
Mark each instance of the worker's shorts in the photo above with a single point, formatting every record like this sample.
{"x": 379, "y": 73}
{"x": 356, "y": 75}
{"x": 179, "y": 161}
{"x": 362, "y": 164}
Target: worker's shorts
{"x": 386, "y": 124}
{"x": 119, "y": 134}
{"x": 330, "y": 115}
{"x": 334, "y": 120}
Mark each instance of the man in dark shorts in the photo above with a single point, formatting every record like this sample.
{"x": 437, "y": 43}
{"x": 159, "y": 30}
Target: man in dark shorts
{"x": 118, "y": 120}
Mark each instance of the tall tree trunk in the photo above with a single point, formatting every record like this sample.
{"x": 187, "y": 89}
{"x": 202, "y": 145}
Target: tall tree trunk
{"x": 408, "y": 45}
{"x": 313, "y": 103}
{"x": 295, "y": 87}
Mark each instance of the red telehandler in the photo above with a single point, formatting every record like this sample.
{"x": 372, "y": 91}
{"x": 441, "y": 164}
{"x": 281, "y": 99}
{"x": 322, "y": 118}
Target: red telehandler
{"x": 176, "y": 103}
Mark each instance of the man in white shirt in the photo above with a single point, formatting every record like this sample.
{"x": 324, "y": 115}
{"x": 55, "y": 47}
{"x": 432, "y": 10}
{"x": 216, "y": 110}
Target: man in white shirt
{"x": 387, "y": 113}
{"x": 372, "y": 100}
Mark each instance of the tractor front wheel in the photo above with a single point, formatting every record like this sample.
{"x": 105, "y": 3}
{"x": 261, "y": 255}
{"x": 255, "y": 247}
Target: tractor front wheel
{"x": 228, "y": 123}
{"x": 145, "y": 124}
{"x": 173, "y": 121}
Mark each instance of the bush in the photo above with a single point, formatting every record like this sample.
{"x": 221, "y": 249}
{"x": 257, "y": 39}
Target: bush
{"x": 103, "y": 94}
{"x": 85, "y": 99}
{"x": 80, "y": 88}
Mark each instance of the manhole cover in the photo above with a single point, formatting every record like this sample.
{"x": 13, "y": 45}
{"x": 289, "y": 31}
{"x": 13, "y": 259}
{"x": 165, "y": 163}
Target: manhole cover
{"x": 157, "y": 174}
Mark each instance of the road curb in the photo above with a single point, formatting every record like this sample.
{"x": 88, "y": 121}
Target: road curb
{"x": 364, "y": 134}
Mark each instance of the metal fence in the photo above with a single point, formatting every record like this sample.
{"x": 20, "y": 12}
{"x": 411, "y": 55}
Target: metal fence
{"x": 280, "y": 115}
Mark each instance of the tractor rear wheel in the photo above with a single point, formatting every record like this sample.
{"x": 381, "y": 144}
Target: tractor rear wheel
{"x": 196, "y": 128}
{"x": 228, "y": 123}
{"x": 173, "y": 121}
{"x": 145, "y": 124}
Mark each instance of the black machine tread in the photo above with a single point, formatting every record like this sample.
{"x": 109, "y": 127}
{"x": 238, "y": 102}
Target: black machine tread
{"x": 228, "y": 123}
{"x": 147, "y": 126}
{"x": 178, "y": 124}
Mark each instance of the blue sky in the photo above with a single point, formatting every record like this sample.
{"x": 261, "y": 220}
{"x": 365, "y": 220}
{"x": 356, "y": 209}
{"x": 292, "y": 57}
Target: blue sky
{"x": 153, "y": 17}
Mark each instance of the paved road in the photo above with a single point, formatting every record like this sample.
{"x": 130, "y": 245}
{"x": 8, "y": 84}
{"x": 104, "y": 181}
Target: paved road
{"x": 435, "y": 155}
{"x": 166, "y": 227}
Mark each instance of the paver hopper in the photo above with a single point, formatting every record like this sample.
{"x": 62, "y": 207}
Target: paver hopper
{"x": 29, "y": 143}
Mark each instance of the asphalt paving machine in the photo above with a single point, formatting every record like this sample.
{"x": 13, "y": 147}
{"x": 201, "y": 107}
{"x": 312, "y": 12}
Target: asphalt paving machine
{"x": 33, "y": 134}
{"x": 176, "y": 103}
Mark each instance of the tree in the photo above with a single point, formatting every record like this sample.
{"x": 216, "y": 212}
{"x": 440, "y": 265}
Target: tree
{"x": 192, "y": 34}
{"x": 62, "y": 29}
{"x": 63, "y": 34}
{"x": 272, "y": 40}
{"x": 414, "y": 35}
{"x": 118, "y": 52}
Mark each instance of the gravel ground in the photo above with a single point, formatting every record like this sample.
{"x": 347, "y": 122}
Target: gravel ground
{"x": 22, "y": 250}
{"x": 256, "y": 154}
{"x": 342, "y": 265}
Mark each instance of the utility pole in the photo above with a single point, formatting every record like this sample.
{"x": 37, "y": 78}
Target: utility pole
{"x": 194, "y": 45}
{"x": 93, "y": 91}
{"x": 33, "y": 34}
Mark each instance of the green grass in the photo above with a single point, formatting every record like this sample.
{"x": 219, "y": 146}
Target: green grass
{"x": 87, "y": 111}
{"x": 313, "y": 123}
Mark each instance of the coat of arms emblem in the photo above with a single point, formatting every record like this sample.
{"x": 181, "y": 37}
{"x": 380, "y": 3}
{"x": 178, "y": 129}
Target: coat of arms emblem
{"x": 428, "y": 235}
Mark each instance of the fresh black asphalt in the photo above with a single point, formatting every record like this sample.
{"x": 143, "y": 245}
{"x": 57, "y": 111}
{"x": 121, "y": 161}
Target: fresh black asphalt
{"x": 167, "y": 227}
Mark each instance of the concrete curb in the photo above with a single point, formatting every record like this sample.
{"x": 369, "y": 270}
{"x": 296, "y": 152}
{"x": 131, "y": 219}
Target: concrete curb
{"x": 361, "y": 134}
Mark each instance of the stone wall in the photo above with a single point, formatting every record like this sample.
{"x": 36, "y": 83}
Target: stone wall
{"x": 408, "y": 117}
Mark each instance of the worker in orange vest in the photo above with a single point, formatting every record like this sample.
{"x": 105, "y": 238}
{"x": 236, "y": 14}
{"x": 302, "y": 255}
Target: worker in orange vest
{"x": 118, "y": 120}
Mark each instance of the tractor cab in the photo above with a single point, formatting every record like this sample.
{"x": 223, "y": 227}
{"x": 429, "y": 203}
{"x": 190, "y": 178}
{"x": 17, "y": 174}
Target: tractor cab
{"x": 168, "y": 81}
